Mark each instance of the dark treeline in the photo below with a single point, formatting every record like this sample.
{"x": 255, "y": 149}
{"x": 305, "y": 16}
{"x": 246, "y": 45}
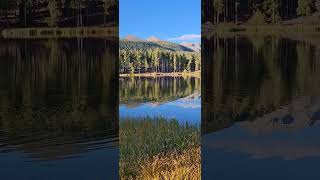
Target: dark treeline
{"x": 157, "y": 60}
{"x": 273, "y": 11}
{"x": 55, "y": 94}
{"x": 53, "y": 13}
{"x": 247, "y": 78}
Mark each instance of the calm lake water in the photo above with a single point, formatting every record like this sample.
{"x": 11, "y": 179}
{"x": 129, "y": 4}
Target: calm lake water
{"x": 169, "y": 97}
{"x": 59, "y": 109}
{"x": 261, "y": 108}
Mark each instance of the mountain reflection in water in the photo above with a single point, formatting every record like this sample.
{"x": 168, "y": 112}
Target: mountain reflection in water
{"x": 169, "y": 97}
{"x": 261, "y": 108}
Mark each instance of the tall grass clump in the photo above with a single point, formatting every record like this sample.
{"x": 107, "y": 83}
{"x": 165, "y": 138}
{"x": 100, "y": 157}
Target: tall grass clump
{"x": 158, "y": 148}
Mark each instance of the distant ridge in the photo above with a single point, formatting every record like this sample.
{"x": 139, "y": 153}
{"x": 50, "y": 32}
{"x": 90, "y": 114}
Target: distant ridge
{"x": 145, "y": 45}
{"x": 131, "y": 42}
{"x": 194, "y": 46}
{"x": 153, "y": 39}
{"x": 132, "y": 38}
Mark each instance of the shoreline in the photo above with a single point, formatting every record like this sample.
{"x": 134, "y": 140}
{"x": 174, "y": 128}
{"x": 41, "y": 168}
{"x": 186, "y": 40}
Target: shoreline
{"x": 196, "y": 74}
{"x": 209, "y": 30}
{"x": 59, "y": 32}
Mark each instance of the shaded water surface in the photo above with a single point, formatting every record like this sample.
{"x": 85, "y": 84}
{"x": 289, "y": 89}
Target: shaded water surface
{"x": 58, "y": 109}
{"x": 261, "y": 108}
{"x": 169, "y": 97}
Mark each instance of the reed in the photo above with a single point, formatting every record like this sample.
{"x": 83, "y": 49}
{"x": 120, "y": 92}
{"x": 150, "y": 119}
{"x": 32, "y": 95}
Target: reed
{"x": 173, "y": 165}
{"x": 146, "y": 145}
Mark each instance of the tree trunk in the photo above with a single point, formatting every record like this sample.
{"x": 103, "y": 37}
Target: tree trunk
{"x": 236, "y": 9}
{"x": 218, "y": 13}
{"x": 81, "y": 14}
{"x": 25, "y": 15}
{"x": 273, "y": 18}
{"x": 224, "y": 14}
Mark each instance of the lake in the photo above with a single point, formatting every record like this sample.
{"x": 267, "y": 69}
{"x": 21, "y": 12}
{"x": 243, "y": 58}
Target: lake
{"x": 261, "y": 107}
{"x": 169, "y": 97}
{"x": 59, "y": 109}
{"x": 159, "y": 132}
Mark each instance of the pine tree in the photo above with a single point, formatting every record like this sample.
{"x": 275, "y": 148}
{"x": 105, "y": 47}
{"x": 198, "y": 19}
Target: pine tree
{"x": 174, "y": 62}
{"x": 146, "y": 64}
{"x": 303, "y": 8}
{"x": 106, "y": 5}
{"x": 271, "y": 8}
{"x": 55, "y": 13}
{"x": 218, "y": 6}
{"x": 77, "y": 5}
{"x": 23, "y": 8}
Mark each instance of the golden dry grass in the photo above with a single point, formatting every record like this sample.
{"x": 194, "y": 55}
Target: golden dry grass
{"x": 157, "y": 148}
{"x": 173, "y": 166}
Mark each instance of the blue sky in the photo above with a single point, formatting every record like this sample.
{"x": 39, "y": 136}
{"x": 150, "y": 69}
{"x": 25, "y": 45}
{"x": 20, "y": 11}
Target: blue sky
{"x": 173, "y": 20}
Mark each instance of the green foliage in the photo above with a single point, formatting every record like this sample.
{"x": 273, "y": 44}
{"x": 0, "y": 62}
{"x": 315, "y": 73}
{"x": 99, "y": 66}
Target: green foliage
{"x": 304, "y": 8}
{"x": 257, "y": 19}
{"x": 155, "y": 60}
{"x": 55, "y": 13}
{"x": 28, "y": 13}
{"x": 271, "y": 8}
{"x": 162, "y": 45}
{"x": 107, "y": 4}
{"x": 141, "y": 56}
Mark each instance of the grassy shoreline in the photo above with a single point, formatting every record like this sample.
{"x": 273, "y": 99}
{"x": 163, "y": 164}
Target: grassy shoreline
{"x": 157, "y": 148}
{"x": 173, "y": 165}
{"x": 225, "y": 29}
{"x": 56, "y": 32}
{"x": 196, "y": 74}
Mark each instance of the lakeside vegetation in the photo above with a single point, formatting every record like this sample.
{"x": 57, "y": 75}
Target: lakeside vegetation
{"x": 66, "y": 32}
{"x": 138, "y": 57}
{"x": 196, "y": 74}
{"x": 58, "y": 13}
{"x": 252, "y": 16}
{"x": 150, "y": 45}
{"x": 157, "y": 148}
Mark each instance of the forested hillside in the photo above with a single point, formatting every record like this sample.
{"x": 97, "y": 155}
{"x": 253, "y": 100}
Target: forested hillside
{"x": 160, "y": 56}
{"x": 57, "y": 13}
{"x": 261, "y": 11}
{"x": 162, "y": 45}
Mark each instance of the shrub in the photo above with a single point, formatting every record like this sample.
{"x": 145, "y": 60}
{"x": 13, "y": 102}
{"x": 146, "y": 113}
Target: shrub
{"x": 257, "y": 19}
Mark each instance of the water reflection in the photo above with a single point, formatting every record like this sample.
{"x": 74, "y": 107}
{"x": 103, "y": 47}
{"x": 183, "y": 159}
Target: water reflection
{"x": 160, "y": 128}
{"x": 168, "y": 97}
{"x": 58, "y": 108}
{"x": 261, "y": 106}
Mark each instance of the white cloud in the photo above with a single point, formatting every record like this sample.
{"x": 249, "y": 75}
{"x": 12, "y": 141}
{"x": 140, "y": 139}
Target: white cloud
{"x": 185, "y": 37}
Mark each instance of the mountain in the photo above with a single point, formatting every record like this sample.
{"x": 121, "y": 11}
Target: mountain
{"x": 131, "y": 42}
{"x": 153, "y": 39}
{"x": 132, "y": 38}
{"x": 194, "y": 46}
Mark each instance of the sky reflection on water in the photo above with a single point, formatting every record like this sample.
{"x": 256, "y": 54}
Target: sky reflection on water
{"x": 184, "y": 110}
